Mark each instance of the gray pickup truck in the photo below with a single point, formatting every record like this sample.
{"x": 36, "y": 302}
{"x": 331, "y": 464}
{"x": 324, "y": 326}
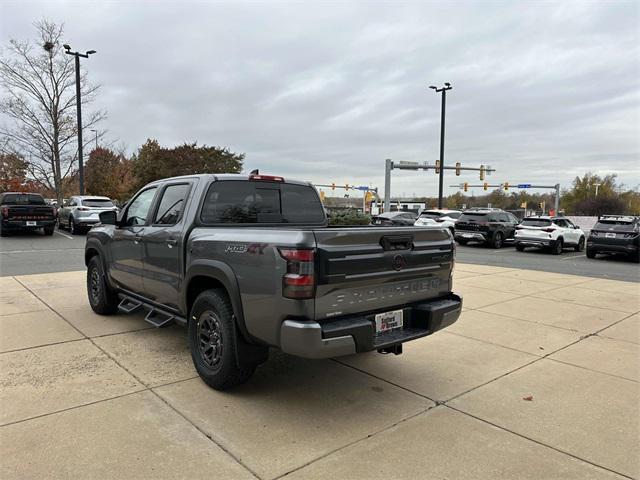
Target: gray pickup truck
{"x": 249, "y": 262}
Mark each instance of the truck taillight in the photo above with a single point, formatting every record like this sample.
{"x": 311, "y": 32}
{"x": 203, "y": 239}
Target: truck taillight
{"x": 299, "y": 281}
{"x": 5, "y": 212}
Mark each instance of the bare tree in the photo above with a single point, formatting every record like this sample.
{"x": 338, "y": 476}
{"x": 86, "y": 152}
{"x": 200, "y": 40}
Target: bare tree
{"x": 39, "y": 103}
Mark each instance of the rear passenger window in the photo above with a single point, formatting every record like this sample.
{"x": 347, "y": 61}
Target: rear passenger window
{"x": 171, "y": 204}
{"x": 300, "y": 204}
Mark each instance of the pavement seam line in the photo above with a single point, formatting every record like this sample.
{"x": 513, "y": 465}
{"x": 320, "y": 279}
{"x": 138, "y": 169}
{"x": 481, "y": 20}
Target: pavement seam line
{"x": 377, "y": 432}
{"x": 463, "y": 412}
{"x": 147, "y": 387}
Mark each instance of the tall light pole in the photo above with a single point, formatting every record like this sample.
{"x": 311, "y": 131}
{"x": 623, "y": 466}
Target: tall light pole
{"x": 447, "y": 86}
{"x": 79, "y": 110}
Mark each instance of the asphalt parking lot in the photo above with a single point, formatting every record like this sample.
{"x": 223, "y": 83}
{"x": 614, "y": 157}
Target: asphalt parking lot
{"x": 538, "y": 379}
{"x": 34, "y": 253}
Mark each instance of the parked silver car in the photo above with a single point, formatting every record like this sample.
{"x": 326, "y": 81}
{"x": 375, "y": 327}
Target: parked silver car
{"x": 82, "y": 212}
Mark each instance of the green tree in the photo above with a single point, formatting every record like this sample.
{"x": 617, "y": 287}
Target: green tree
{"x": 154, "y": 162}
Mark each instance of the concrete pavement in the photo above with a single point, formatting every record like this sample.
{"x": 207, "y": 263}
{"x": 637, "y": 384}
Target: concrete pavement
{"x": 538, "y": 379}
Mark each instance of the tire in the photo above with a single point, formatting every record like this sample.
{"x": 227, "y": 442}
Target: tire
{"x": 635, "y": 258}
{"x": 591, "y": 253}
{"x": 461, "y": 241}
{"x": 3, "y": 231}
{"x": 101, "y": 298}
{"x": 60, "y": 225}
{"x": 580, "y": 246}
{"x": 519, "y": 247}
{"x": 72, "y": 227}
{"x": 497, "y": 241}
{"x": 557, "y": 247}
{"x": 49, "y": 230}
{"x": 212, "y": 341}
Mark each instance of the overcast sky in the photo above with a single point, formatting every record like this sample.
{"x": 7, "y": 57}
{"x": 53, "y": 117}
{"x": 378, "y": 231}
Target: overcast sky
{"x": 325, "y": 91}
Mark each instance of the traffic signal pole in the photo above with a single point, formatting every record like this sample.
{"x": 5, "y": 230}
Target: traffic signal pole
{"x": 506, "y": 186}
{"x": 441, "y": 177}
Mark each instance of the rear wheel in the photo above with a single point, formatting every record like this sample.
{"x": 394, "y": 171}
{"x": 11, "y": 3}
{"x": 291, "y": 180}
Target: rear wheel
{"x": 591, "y": 253}
{"x": 580, "y": 245}
{"x": 48, "y": 230}
{"x": 497, "y": 240}
{"x": 461, "y": 241}
{"x": 557, "y": 247}
{"x": 72, "y": 227}
{"x": 213, "y": 339}
{"x": 101, "y": 298}
{"x": 3, "y": 231}
{"x": 519, "y": 247}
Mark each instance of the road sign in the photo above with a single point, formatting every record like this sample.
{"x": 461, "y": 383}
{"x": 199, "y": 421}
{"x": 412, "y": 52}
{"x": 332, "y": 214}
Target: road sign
{"x": 364, "y": 188}
{"x": 524, "y": 185}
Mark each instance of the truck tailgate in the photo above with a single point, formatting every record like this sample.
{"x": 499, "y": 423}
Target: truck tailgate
{"x": 364, "y": 269}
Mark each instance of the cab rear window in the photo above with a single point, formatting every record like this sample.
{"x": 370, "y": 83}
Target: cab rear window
{"x": 535, "y": 222}
{"x": 261, "y": 202}
{"x": 22, "y": 199}
{"x": 474, "y": 217}
{"x": 619, "y": 225}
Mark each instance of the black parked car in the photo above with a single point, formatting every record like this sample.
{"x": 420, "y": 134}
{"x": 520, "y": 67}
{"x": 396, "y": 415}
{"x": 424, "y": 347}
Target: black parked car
{"x": 492, "y": 226}
{"x": 615, "y": 234}
{"x": 25, "y": 211}
{"x": 395, "y": 219}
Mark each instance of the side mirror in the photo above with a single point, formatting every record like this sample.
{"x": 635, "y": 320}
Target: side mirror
{"x": 577, "y": 227}
{"x": 108, "y": 218}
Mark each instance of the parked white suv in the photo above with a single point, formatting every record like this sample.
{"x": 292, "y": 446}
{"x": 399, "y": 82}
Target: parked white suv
{"x": 438, "y": 219}
{"x": 554, "y": 233}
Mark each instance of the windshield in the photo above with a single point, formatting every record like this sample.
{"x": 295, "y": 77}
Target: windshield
{"x": 23, "y": 199}
{"x": 430, "y": 215}
{"x": 535, "y": 222}
{"x": 97, "y": 202}
{"x": 620, "y": 225}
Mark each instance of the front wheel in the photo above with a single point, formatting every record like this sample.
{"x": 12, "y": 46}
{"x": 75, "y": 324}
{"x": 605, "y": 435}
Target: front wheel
{"x": 591, "y": 253}
{"x": 461, "y": 241}
{"x": 497, "y": 240}
{"x": 557, "y": 247}
{"x": 213, "y": 341}
{"x": 72, "y": 226}
{"x": 580, "y": 245}
{"x": 102, "y": 300}
{"x": 519, "y": 247}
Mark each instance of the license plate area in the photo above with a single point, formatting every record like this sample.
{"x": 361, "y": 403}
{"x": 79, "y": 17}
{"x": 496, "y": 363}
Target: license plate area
{"x": 31, "y": 223}
{"x": 389, "y": 321}
{"x": 610, "y": 235}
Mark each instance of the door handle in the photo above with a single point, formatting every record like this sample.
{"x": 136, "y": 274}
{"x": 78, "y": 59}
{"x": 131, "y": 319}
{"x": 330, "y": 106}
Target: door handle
{"x": 172, "y": 243}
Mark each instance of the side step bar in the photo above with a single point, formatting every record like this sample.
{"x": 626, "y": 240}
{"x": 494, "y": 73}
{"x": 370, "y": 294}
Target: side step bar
{"x": 156, "y": 316}
{"x": 159, "y": 319}
{"x": 129, "y": 305}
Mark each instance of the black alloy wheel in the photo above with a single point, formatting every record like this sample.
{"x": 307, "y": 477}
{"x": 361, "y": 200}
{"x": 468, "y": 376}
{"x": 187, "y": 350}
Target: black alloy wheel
{"x": 210, "y": 345}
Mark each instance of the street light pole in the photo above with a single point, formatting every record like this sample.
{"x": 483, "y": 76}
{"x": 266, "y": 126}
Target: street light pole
{"x": 447, "y": 86}
{"x": 77, "y": 56}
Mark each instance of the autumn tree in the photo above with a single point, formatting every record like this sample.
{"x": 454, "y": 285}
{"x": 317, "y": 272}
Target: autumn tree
{"x": 13, "y": 173}
{"x": 38, "y": 100}
{"x": 108, "y": 173}
{"x": 154, "y": 162}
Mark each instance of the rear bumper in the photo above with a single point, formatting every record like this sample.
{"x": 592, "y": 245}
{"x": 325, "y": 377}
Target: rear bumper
{"x": 622, "y": 247}
{"x": 471, "y": 236}
{"x": 22, "y": 224}
{"x": 535, "y": 242}
{"x": 354, "y": 334}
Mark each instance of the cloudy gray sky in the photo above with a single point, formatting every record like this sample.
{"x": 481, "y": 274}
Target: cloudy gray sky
{"x": 325, "y": 91}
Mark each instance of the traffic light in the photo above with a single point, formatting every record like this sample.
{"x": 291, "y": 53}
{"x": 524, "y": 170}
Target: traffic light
{"x": 458, "y": 169}
{"x": 333, "y": 186}
{"x": 481, "y": 173}
{"x": 466, "y": 187}
{"x": 437, "y": 166}
{"x": 506, "y": 185}
{"x": 485, "y": 186}
{"x": 368, "y": 197}
{"x": 322, "y": 196}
